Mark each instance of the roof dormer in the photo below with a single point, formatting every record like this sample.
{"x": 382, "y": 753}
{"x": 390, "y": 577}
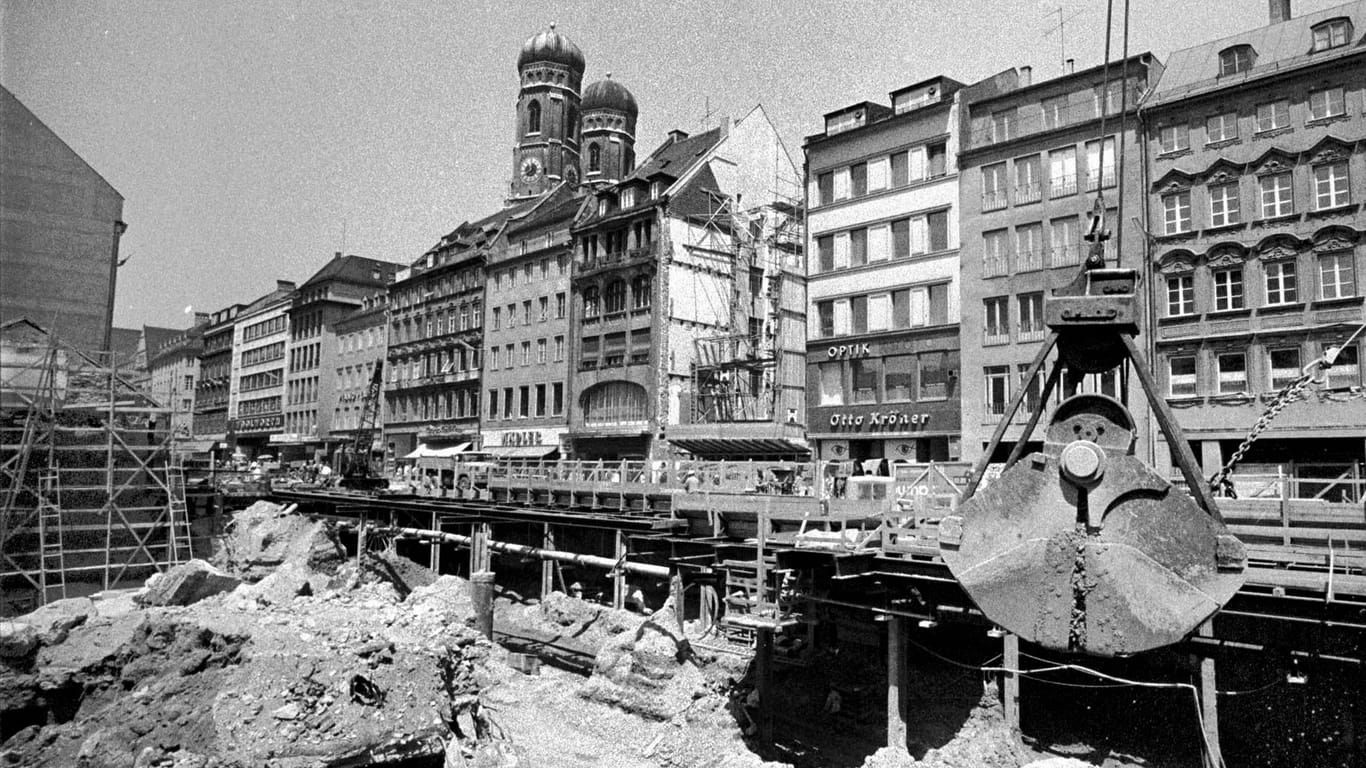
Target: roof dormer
{"x": 1235, "y": 59}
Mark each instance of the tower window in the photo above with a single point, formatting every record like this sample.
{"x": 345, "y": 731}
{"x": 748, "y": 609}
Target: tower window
{"x": 594, "y": 157}
{"x": 533, "y": 117}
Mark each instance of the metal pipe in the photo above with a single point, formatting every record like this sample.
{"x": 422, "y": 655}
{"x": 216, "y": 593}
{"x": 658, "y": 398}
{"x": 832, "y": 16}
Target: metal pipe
{"x": 606, "y": 563}
{"x": 1218, "y": 643}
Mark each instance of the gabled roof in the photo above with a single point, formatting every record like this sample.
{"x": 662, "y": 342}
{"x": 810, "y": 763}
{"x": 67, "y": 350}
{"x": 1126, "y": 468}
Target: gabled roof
{"x": 674, "y": 158}
{"x": 1279, "y": 47}
{"x": 265, "y": 301}
{"x": 154, "y": 338}
{"x": 560, "y": 204}
{"x": 355, "y": 269}
{"x": 14, "y": 109}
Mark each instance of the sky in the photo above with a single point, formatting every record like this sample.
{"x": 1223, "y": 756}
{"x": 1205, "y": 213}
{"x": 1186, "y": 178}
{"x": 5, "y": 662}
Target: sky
{"x": 251, "y": 140}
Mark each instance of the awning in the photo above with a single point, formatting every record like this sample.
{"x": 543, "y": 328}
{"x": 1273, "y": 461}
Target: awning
{"x": 195, "y": 446}
{"x": 521, "y": 451}
{"x": 704, "y": 448}
{"x": 423, "y": 452}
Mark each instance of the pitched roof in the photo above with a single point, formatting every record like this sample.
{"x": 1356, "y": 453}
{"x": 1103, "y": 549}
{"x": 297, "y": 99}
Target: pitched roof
{"x": 124, "y": 343}
{"x": 355, "y": 269}
{"x": 559, "y": 204}
{"x": 154, "y": 338}
{"x": 1279, "y": 47}
{"x": 260, "y": 304}
{"x": 676, "y": 157}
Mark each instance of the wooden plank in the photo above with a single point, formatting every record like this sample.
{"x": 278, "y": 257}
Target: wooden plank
{"x": 1343, "y": 584}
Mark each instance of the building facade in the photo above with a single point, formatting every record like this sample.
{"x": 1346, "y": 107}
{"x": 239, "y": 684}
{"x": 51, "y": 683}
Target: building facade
{"x": 362, "y": 338}
{"x": 260, "y": 344}
{"x": 882, "y": 229}
{"x": 526, "y": 331}
{"x": 1031, "y": 166}
{"x": 331, "y": 293}
{"x": 60, "y": 224}
{"x": 174, "y": 370}
{"x": 1256, "y": 166}
{"x": 661, "y": 264}
{"x": 214, "y": 387}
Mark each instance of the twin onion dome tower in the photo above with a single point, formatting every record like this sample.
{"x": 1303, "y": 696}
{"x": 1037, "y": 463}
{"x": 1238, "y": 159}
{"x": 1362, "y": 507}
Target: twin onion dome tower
{"x": 564, "y": 134}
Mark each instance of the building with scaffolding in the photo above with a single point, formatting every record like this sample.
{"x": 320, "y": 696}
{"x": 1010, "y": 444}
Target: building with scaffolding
{"x": 90, "y": 494}
{"x": 688, "y": 303}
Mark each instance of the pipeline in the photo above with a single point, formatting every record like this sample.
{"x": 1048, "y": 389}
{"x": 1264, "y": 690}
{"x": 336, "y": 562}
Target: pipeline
{"x": 594, "y": 561}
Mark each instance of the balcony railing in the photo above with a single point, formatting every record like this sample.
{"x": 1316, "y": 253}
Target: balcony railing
{"x": 1029, "y": 261}
{"x": 1064, "y": 255}
{"x": 995, "y": 336}
{"x": 995, "y": 266}
{"x": 1028, "y": 193}
{"x": 1035, "y": 335}
{"x": 1093, "y": 176}
{"x": 994, "y": 200}
{"x": 1062, "y": 185}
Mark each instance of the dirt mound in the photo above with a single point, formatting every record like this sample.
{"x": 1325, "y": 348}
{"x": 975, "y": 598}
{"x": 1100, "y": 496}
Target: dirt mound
{"x": 984, "y": 740}
{"x": 649, "y": 670}
{"x": 264, "y": 536}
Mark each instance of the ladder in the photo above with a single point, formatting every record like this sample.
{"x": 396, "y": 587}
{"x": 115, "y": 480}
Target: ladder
{"x": 52, "y": 558}
{"x": 179, "y": 547}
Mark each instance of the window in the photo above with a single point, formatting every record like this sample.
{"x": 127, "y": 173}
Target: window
{"x": 1003, "y": 125}
{"x": 590, "y": 301}
{"x": 533, "y": 117}
{"x": 1054, "y": 112}
{"x": 614, "y": 299}
{"x": 1280, "y": 282}
{"x": 825, "y": 188}
{"x": 998, "y": 388}
{"x": 938, "y": 163}
{"x": 1285, "y": 367}
{"x": 540, "y": 399}
{"x": 995, "y": 253}
{"x": 858, "y": 179}
{"x": 997, "y": 324}
{"x": 540, "y": 350}
{"x": 559, "y": 305}
{"x": 938, "y": 225}
{"x": 557, "y": 398}
{"x": 1277, "y": 198}
{"x": 1028, "y": 247}
{"x": 858, "y": 247}
{"x": 1326, "y": 103}
{"x": 842, "y": 319}
{"x": 594, "y": 157}
{"x": 842, "y": 184}
{"x": 1346, "y": 370}
{"x": 900, "y": 169}
{"x": 1181, "y": 376}
{"x": 1234, "y": 60}
{"x": 1094, "y": 160}
{"x": 858, "y": 311}
{"x": 1062, "y": 172}
{"x": 508, "y": 403}
{"x": 640, "y": 292}
{"x": 1064, "y": 242}
{"x": 825, "y": 319}
{"x": 825, "y": 253}
{"x": 545, "y": 308}
{"x": 937, "y": 370}
{"x": 1176, "y": 213}
{"x": 831, "y": 383}
{"x": 1180, "y": 295}
{"x": 1221, "y": 127}
{"x": 1174, "y": 138}
{"x": 1332, "y": 34}
{"x": 1330, "y": 186}
{"x": 512, "y": 315}
{"x": 1228, "y": 289}
{"x": 1336, "y": 275}
{"x": 879, "y": 312}
{"x": 1033, "y": 389}
{"x": 1031, "y": 316}
{"x": 994, "y": 187}
{"x": 866, "y": 374}
{"x": 1028, "y": 180}
{"x": 939, "y": 303}
{"x": 1224, "y": 208}
{"x": 1273, "y": 115}
{"x": 559, "y": 348}
{"x": 897, "y": 377}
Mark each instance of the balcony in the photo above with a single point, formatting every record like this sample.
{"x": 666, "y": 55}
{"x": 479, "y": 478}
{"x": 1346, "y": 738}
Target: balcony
{"x": 1031, "y": 335}
{"x": 1065, "y": 255}
{"x": 1029, "y": 261}
{"x": 1094, "y": 176}
{"x": 994, "y": 200}
{"x": 608, "y": 259}
{"x": 1062, "y": 185}
{"x": 995, "y": 336}
{"x": 995, "y": 266}
{"x": 1028, "y": 193}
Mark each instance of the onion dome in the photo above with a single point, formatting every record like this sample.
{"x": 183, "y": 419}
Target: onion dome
{"x": 551, "y": 46}
{"x": 609, "y": 94}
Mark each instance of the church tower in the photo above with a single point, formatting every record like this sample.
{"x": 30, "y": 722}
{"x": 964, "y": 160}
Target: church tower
{"x": 609, "y": 132}
{"x": 546, "y": 151}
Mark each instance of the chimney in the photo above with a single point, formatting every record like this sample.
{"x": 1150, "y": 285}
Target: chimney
{"x": 201, "y": 318}
{"x": 1026, "y": 77}
{"x": 1069, "y": 67}
{"x": 1280, "y": 11}
{"x": 676, "y": 136}
{"x": 284, "y": 285}
{"x": 336, "y": 254}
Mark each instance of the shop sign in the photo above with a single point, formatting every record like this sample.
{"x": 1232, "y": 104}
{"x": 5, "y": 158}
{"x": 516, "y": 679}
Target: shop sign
{"x": 258, "y": 423}
{"x": 286, "y": 437}
{"x": 521, "y": 437}
{"x": 849, "y": 350}
{"x": 443, "y": 429}
{"x": 879, "y": 420}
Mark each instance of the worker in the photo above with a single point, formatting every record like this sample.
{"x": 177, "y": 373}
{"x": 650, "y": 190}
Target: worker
{"x": 691, "y": 481}
{"x": 635, "y": 599}
{"x": 576, "y": 590}
{"x": 833, "y": 701}
{"x": 751, "y": 710}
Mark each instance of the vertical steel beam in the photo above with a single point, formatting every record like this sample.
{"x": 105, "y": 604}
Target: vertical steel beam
{"x": 1209, "y": 703}
{"x": 1010, "y": 680}
{"x": 897, "y": 681}
{"x": 547, "y": 566}
{"x": 763, "y": 672}
{"x": 619, "y": 576}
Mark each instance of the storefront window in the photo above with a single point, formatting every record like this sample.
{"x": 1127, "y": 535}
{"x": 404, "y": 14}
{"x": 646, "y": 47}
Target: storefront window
{"x": 936, "y": 372}
{"x": 899, "y": 376}
{"x": 832, "y": 384}
{"x": 865, "y": 376}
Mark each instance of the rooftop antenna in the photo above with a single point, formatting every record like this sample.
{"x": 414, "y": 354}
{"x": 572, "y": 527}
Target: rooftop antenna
{"x": 1062, "y": 32}
{"x": 707, "y": 112}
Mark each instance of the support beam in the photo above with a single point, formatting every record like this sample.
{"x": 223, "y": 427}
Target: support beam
{"x": 547, "y": 566}
{"x": 1010, "y": 680}
{"x": 479, "y": 547}
{"x": 1209, "y": 706}
{"x": 481, "y": 592}
{"x": 619, "y": 575}
{"x": 763, "y": 673}
{"x": 434, "y": 559}
{"x": 897, "y": 681}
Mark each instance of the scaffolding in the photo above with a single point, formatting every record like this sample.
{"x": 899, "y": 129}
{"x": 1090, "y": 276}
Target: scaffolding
{"x": 743, "y": 373}
{"x": 91, "y": 492}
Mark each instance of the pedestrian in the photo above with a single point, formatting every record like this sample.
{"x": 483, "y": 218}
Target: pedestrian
{"x": 833, "y": 702}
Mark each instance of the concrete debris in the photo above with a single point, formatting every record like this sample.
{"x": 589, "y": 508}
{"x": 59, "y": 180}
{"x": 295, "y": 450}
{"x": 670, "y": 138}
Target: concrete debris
{"x": 264, "y": 536}
{"x": 17, "y": 640}
{"x": 186, "y": 584}
{"x": 54, "y": 620}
